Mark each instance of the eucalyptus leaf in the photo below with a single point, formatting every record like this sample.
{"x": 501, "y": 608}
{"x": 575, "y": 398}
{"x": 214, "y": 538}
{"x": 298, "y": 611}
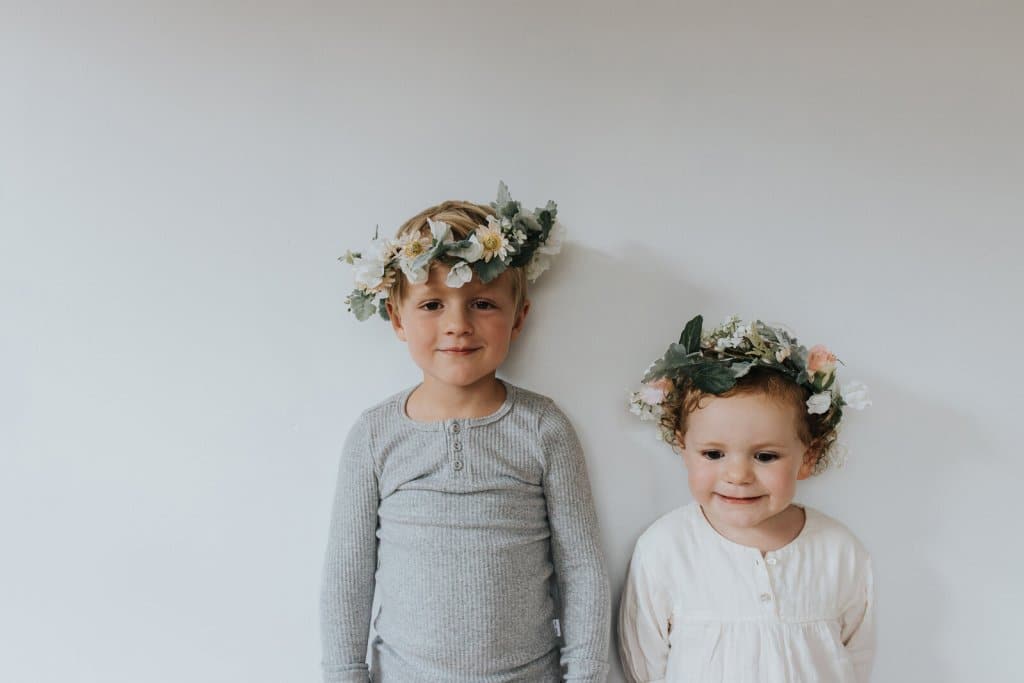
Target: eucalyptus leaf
{"x": 382, "y": 309}
{"x": 361, "y": 304}
{"x": 740, "y": 369}
{"x": 488, "y": 270}
{"x": 503, "y": 195}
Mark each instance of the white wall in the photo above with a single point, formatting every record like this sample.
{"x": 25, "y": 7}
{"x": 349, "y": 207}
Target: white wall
{"x": 177, "y": 370}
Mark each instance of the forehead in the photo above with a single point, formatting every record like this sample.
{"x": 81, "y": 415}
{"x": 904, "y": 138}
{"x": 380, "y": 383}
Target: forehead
{"x": 743, "y": 418}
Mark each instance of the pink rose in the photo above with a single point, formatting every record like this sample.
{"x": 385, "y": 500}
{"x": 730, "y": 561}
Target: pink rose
{"x": 820, "y": 359}
{"x": 653, "y": 393}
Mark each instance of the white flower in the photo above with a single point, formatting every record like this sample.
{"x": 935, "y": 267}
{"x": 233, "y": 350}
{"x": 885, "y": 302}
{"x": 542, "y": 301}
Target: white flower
{"x": 553, "y": 245}
{"x": 856, "y": 395}
{"x": 411, "y": 246}
{"x": 416, "y": 276}
{"x": 643, "y": 410}
{"x": 819, "y": 403}
{"x": 470, "y": 254}
{"x": 369, "y": 269}
{"x": 494, "y": 242}
{"x": 782, "y": 354}
{"x": 537, "y": 265}
{"x": 728, "y": 343}
{"x": 459, "y": 275}
{"x": 441, "y": 231}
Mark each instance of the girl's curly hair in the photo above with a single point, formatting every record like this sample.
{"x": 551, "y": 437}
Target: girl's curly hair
{"x": 817, "y": 431}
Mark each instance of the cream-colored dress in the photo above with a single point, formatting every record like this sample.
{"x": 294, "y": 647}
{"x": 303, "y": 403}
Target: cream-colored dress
{"x": 699, "y": 608}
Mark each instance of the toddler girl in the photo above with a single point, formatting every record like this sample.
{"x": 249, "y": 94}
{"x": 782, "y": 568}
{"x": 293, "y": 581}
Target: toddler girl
{"x": 743, "y": 584}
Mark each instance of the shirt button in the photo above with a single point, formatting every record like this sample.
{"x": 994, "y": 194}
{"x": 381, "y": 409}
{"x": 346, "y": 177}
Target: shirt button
{"x": 766, "y": 597}
{"x": 456, "y": 428}
{"x": 457, "y": 446}
{"x": 457, "y": 465}
{"x": 771, "y": 561}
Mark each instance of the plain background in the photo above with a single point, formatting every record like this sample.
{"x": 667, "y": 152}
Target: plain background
{"x": 178, "y": 372}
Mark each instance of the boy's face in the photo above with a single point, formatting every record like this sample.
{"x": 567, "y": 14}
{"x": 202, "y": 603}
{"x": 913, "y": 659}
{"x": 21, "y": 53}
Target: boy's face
{"x": 458, "y": 336}
{"x": 743, "y": 457}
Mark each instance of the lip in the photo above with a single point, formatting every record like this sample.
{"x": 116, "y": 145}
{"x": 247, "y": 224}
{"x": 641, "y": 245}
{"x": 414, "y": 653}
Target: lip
{"x": 738, "y": 501}
{"x": 460, "y": 351}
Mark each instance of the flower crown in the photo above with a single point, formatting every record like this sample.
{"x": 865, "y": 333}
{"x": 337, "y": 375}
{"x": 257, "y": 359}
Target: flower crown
{"x": 713, "y": 362}
{"x": 514, "y": 238}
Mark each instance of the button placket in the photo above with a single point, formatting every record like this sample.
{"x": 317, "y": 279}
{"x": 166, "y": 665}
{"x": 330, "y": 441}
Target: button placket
{"x": 763, "y": 581}
{"x": 456, "y": 446}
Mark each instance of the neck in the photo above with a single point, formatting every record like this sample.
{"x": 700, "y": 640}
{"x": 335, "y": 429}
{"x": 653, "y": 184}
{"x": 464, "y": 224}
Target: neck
{"x": 771, "y": 534}
{"x": 433, "y": 401}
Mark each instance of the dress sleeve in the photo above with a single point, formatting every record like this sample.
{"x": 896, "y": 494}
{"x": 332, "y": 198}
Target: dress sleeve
{"x": 346, "y": 595}
{"x": 857, "y": 624}
{"x": 645, "y": 616}
{"x": 576, "y": 552}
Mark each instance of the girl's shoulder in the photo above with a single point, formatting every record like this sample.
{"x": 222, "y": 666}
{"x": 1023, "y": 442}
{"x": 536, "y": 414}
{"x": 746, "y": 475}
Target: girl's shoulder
{"x": 675, "y": 529}
{"x": 831, "y": 544}
{"x": 820, "y": 528}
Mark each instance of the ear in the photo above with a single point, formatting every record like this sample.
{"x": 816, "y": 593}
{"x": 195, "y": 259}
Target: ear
{"x": 811, "y": 457}
{"x": 396, "y": 320}
{"x": 517, "y": 326}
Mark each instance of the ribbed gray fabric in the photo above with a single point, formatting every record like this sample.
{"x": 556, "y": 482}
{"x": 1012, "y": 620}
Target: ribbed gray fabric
{"x": 470, "y": 524}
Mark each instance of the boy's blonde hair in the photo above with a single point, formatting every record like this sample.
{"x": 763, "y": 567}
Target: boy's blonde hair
{"x": 464, "y": 218}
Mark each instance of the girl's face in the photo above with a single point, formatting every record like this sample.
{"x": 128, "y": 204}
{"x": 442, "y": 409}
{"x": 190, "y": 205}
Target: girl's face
{"x": 743, "y": 457}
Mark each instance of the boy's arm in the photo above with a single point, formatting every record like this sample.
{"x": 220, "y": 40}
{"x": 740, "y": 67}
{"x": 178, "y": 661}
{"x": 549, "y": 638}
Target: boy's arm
{"x": 858, "y": 627}
{"x": 644, "y": 624}
{"x": 576, "y": 552}
{"x": 346, "y": 596}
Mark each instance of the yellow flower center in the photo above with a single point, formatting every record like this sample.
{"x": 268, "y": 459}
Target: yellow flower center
{"x": 491, "y": 242}
{"x": 414, "y": 249}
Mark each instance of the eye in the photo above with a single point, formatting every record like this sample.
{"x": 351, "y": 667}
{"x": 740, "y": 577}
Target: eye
{"x": 483, "y": 305}
{"x": 713, "y": 455}
{"x": 765, "y": 456}
{"x": 431, "y": 305}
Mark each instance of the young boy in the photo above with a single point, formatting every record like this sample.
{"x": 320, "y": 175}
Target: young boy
{"x": 465, "y": 499}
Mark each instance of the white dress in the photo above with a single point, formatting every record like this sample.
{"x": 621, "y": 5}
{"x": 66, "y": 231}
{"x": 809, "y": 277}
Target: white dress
{"x": 698, "y": 607}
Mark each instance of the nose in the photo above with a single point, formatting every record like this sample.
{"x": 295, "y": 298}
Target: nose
{"x": 738, "y": 470}
{"x": 457, "y": 321}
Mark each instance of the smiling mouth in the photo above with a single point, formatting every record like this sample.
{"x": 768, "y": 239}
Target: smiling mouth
{"x": 739, "y": 501}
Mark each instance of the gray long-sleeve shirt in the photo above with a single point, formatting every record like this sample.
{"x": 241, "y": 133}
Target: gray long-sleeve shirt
{"x": 467, "y": 525}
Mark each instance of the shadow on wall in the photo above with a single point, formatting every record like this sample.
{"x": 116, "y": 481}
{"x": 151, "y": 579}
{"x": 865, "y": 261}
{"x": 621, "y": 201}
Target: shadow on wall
{"x": 598, "y": 320}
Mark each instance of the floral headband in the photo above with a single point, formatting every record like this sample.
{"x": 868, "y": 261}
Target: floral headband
{"x": 713, "y": 362}
{"x": 514, "y": 238}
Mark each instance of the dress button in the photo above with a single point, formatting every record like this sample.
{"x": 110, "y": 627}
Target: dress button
{"x": 457, "y": 465}
{"x": 456, "y": 428}
{"x": 771, "y": 561}
{"x": 457, "y": 446}
{"x": 766, "y": 597}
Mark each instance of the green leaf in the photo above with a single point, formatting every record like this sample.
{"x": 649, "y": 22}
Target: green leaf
{"x": 690, "y": 338}
{"x": 488, "y": 270}
{"x": 382, "y": 309}
{"x": 711, "y": 377}
{"x": 361, "y": 304}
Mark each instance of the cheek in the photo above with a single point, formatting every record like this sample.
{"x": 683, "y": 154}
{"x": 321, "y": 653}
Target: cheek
{"x": 781, "y": 482}
{"x": 701, "y": 477}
